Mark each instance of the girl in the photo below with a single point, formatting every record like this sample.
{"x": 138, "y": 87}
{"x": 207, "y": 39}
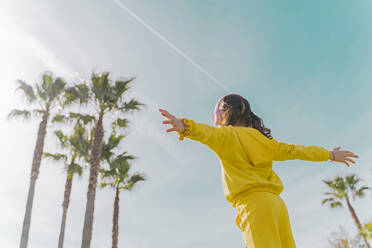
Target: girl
{"x": 246, "y": 151}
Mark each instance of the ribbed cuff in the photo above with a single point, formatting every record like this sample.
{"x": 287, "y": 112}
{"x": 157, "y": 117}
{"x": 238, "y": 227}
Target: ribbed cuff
{"x": 188, "y": 128}
{"x": 330, "y": 156}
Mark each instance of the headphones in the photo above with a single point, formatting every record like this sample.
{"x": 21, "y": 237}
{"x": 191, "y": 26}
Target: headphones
{"x": 218, "y": 113}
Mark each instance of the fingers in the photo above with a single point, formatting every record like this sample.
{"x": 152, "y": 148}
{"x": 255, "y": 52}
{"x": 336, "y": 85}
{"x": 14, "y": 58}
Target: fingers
{"x": 169, "y": 122}
{"x": 172, "y": 129}
{"x": 347, "y": 164}
{"x": 348, "y": 159}
{"x": 351, "y": 154}
{"x": 337, "y": 148}
{"x": 166, "y": 114}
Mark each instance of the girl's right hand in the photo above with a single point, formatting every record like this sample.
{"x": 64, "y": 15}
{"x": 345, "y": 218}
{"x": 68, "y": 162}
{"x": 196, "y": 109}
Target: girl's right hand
{"x": 341, "y": 156}
{"x": 177, "y": 124}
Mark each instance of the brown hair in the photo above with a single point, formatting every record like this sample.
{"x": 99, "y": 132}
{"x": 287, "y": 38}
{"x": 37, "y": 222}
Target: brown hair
{"x": 237, "y": 110}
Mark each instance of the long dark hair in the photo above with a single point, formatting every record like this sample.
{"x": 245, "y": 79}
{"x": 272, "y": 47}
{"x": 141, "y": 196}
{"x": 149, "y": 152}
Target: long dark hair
{"x": 236, "y": 109}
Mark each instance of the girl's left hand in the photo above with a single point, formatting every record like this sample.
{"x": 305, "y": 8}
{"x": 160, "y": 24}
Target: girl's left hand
{"x": 342, "y": 156}
{"x": 178, "y": 125}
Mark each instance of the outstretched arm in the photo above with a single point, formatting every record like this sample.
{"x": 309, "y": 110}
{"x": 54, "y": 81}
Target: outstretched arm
{"x": 214, "y": 137}
{"x": 286, "y": 151}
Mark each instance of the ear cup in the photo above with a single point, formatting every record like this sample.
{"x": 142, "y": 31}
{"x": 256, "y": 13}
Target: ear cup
{"x": 217, "y": 112}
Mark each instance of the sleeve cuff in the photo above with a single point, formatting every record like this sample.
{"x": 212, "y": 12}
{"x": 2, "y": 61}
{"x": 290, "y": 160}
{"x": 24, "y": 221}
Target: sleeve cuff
{"x": 188, "y": 128}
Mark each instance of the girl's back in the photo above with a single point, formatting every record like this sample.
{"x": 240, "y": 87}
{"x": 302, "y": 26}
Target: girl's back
{"x": 246, "y": 157}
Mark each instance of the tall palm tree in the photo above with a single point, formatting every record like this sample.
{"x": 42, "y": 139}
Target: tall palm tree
{"x": 342, "y": 189}
{"x": 107, "y": 98}
{"x": 46, "y": 97}
{"x": 117, "y": 176}
{"x": 78, "y": 147}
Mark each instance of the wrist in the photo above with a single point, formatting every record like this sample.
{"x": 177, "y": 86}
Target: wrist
{"x": 331, "y": 155}
{"x": 183, "y": 126}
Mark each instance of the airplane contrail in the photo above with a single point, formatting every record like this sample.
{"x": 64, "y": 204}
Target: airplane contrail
{"x": 171, "y": 45}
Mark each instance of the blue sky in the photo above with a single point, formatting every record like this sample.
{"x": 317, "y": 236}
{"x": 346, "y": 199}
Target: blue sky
{"x": 304, "y": 66}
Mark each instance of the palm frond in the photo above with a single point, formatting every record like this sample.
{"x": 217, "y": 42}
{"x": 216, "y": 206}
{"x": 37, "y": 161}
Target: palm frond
{"x": 118, "y": 169}
{"x": 60, "y": 118}
{"x": 17, "y": 113}
{"x": 338, "y": 187}
{"x": 127, "y": 157}
{"x": 62, "y": 138}
{"x": 77, "y": 93}
{"x": 57, "y": 88}
{"x": 121, "y": 123}
{"x": 360, "y": 192}
{"x": 84, "y": 118}
{"x": 47, "y": 81}
{"x": 330, "y": 193}
{"x": 41, "y": 93}
{"x": 132, "y": 181}
{"x": 131, "y": 106}
{"x": 79, "y": 141}
{"x": 335, "y": 204}
{"x": 121, "y": 167}
{"x": 121, "y": 86}
{"x": 104, "y": 184}
{"x": 340, "y": 184}
{"x": 27, "y": 90}
{"x": 75, "y": 168}
{"x": 55, "y": 156}
{"x": 101, "y": 86}
{"x": 52, "y": 88}
{"x": 38, "y": 112}
{"x": 84, "y": 94}
{"x": 327, "y": 200}
{"x": 108, "y": 147}
{"x": 351, "y": 181}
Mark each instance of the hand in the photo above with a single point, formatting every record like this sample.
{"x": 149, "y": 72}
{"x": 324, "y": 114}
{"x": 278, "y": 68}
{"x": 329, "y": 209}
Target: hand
{"x": 341, "y": 156}
{"x": 178, "y": 125}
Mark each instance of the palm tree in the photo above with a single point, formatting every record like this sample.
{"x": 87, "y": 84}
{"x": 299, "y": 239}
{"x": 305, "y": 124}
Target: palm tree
{"x": 116, "y": 176}
{"x": 107, "y": 98}
{"x": 46, "y": 98}
{"x": 342, "y": 189}
{"x": 78, "y": 147}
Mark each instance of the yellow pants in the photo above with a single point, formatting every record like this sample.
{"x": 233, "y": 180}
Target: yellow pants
{"x": 264, "y": 222}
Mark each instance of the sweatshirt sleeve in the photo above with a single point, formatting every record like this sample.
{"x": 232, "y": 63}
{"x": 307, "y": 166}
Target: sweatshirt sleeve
{"x": 284, "y": 151}
{"x": 213, "y": 137}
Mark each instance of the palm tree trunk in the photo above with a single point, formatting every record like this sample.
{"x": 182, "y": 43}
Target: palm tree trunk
{"x": 91, "y": 195}
{"x": 66, "y": 201}
{"x": 38, "y": 152}
{"x": 115, "y": 225}
{"x": 356, "y": 220}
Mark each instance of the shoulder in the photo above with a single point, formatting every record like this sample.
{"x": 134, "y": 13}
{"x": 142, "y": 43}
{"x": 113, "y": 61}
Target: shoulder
{"x": 248, "y": 130}
{"x": 228, "y": 130}
{"x": 250, "y": 134}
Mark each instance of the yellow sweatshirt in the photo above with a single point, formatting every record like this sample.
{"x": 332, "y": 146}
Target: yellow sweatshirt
{"x": 246, "y": 157}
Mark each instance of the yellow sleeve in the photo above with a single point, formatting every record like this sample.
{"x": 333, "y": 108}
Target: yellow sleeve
{"x": 284, "y": 151}
{"x": 213, "y": 137}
